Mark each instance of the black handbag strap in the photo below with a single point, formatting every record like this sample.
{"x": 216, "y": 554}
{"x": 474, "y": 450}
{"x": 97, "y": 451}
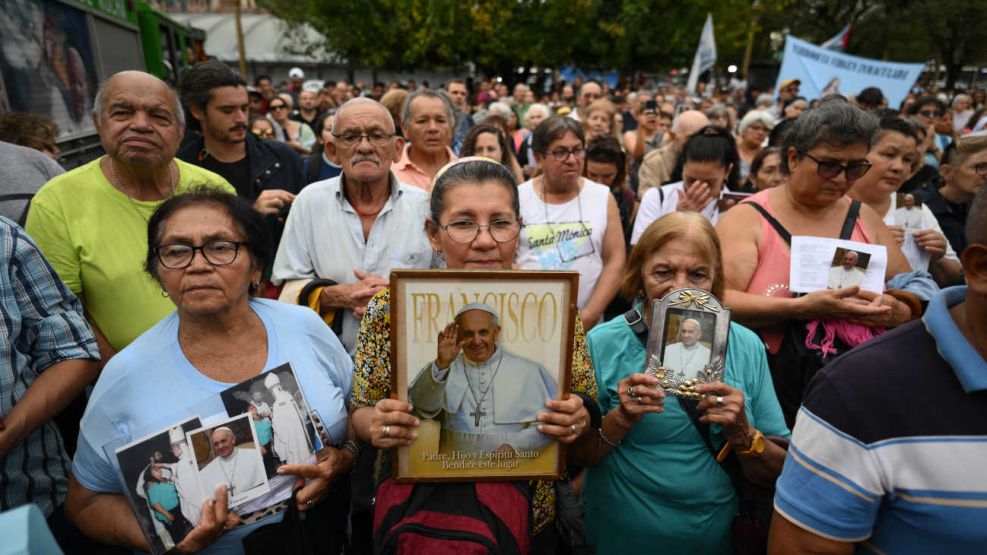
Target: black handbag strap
{"x": 845, "y": 232}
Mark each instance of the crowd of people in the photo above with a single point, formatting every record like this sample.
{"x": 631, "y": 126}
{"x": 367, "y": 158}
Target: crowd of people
{"x": 230, "y": 228}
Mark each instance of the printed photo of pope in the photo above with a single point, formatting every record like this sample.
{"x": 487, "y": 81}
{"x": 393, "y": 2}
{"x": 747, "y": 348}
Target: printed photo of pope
{"x": 485, "y": 398}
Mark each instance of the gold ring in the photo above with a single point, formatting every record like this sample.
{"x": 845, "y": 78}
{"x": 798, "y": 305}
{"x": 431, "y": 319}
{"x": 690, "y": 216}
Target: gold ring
{"x": 385, "y": 431}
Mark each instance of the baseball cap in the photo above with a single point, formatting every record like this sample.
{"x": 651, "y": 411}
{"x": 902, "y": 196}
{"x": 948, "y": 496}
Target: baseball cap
{"x": 296, "y": 72}
{"x": 788, "y": 83}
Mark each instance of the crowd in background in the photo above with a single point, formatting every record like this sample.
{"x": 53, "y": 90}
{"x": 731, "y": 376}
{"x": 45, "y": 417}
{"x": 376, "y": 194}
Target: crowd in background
{"x": 325, "y": 187}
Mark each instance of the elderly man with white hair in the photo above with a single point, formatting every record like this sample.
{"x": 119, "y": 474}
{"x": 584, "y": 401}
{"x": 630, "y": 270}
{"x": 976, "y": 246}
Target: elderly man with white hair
{"x": 488, "y": 399}
{"x": 845, "y": 274}
{"x": 687, "y": 356}
{"x": 657, "y": 167}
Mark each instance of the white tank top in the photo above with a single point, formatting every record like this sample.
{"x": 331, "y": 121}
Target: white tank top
{"x": 565, "y": 236}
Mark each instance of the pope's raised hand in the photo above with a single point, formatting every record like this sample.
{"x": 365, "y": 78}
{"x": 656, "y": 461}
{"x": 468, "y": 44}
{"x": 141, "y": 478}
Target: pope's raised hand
{"x": 449, "y": 346}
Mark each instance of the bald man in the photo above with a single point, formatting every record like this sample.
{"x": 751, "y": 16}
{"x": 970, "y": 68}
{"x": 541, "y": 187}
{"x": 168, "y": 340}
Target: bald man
{"x": 91, "y": 222}
{"x": 658, "y": 165}
{"x": 241, "y": 470}
{"x": 351, "y": 230}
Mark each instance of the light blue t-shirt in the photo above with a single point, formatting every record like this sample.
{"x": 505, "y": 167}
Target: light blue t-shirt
{"x": 661, "y": 489}
{"x": 150, "y": 385}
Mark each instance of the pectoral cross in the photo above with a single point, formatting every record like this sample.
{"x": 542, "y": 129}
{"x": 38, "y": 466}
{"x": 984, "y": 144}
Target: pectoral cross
{"x": 477, "y": 415}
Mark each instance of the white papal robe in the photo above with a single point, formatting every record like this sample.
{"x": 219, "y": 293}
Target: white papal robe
{"x": 241, "y": 472}
{"x": 840, "y": 277}
{"x": 516, "y": 391}
{"x": 686, "y": 360}
{"x": 291, "y": 441}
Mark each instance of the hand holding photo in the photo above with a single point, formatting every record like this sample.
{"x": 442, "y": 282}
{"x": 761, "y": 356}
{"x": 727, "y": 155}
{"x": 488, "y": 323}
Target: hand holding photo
{"x": 821, "y": 263}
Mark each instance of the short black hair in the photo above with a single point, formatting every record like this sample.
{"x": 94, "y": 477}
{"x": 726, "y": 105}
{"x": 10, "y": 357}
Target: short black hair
{"x": 871, "y": 96}
{"x": 260, "y": 78}
{"x": 248, "y": 221}
{"x": 202, "y": 78}
{"x": 469, "y": 142}
{"x": 894, "y": 124}
{"x": 921, "y": 101}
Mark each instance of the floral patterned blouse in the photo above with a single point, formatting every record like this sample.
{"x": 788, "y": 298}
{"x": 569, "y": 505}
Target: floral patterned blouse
{"x": 372, "y": 381}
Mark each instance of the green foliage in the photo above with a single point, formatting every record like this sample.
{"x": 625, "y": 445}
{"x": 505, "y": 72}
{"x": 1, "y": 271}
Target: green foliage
{"x": 501, "y": 35}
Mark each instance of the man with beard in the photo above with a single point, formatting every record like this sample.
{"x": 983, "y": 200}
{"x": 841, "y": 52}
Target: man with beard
{"x": 266, "y": 173}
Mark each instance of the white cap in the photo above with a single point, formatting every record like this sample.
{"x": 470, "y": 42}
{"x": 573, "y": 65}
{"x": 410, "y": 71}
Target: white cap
{"x": 176, "y": 435}
{"x": 479, "y": 306}
{"x": 296, "y": 72}
{"x": 271, "y": 380}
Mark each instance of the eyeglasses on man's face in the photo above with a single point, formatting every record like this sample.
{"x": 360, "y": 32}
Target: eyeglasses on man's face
{"x": 466, "y": 231}
{"x": 562, "y": 154}
{"x": 829, "y": 169}
{"x": 350, "y": 139}
{"x": 216, "y": 253}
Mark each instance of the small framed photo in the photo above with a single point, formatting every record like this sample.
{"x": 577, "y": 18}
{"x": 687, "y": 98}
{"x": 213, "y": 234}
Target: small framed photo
{"x": 161, "y": 484}
{"x": 687, "y": 342}
{"x": 280, "y": 416}
{"x": 477, "y": 354}
{"x": 228, "y": 454}
{"x": 908, "y": 212}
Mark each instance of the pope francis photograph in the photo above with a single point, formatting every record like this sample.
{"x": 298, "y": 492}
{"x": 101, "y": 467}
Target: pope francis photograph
{"x": 486, "y": 398}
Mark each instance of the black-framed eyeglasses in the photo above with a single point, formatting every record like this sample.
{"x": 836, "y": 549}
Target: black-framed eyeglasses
{"x": 828, "y": 169}
{"x": 349, "y": 140}
{"x": 217, "y": 253}
{"x": 562, "y": 154}
{"x": 466, "y": 231}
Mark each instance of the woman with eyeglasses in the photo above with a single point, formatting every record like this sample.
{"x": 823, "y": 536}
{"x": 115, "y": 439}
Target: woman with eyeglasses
{"x": 928, "y": 110}
{"x": 707, "y": 162}
{"x": 571, "y": 223}
{"x": 298, "y": 135}
{"x": 207, "y": 250}
{"x": 474, "y": 222}
{"x": 824, "y": 153}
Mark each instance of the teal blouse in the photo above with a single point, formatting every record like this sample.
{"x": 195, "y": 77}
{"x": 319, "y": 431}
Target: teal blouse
{"x": 164, "y": 494}
{"x": 661, "y": 490}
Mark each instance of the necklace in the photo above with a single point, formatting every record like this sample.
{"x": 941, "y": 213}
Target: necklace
{"x": 126, "y": 190}
{"x": 229, "y": 475}
{"x": 479, "y": 413}
{"x": 582, "y": 223}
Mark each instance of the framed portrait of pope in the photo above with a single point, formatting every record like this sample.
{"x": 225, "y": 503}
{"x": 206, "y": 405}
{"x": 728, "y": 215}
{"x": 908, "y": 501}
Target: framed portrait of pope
{"x": 687, "y": 340}
{"x": 478, "y": 354}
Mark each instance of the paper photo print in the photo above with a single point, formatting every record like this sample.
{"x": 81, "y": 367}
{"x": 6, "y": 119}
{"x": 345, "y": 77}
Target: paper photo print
{"x": 228, "y": 454}
{"x": 280, "y": 416}
{"x": 908, "y": 212}
{"x": 819, "y": 263}
{"x": 689, "y": 338}
{"x": 161, "y": 482}
{"x": 478, "y": 355}
{"x": 847, "y": 268}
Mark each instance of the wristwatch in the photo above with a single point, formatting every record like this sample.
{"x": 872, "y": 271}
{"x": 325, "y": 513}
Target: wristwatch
{"x": 757, "y": 446}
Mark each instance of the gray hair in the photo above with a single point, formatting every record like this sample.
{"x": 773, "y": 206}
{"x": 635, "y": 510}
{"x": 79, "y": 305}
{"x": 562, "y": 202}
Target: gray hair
{"x": 501, "y": 109}
{"x": 756, "y": 116}
{"x": 427, "y": 93}
{"x": 176, "y": 102}
{"x": 536, "y": 107}
{"x": 834, "y": 121}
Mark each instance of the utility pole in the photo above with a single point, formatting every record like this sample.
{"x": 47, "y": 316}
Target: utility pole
{"x": 749, "y": 49}
{"x": 239, "y": 39}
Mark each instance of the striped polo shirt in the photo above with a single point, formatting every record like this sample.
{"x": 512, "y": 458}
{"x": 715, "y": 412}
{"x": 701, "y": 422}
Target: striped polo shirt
{"x": 890, "y": 445}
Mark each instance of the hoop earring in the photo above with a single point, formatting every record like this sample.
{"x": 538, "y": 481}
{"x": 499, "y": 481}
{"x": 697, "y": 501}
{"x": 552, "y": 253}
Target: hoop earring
{"x": 164, "y": 294}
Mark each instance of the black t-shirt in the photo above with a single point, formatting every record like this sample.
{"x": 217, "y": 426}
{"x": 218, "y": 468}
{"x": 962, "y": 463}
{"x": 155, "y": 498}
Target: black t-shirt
{"x": 237, "y": 173}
